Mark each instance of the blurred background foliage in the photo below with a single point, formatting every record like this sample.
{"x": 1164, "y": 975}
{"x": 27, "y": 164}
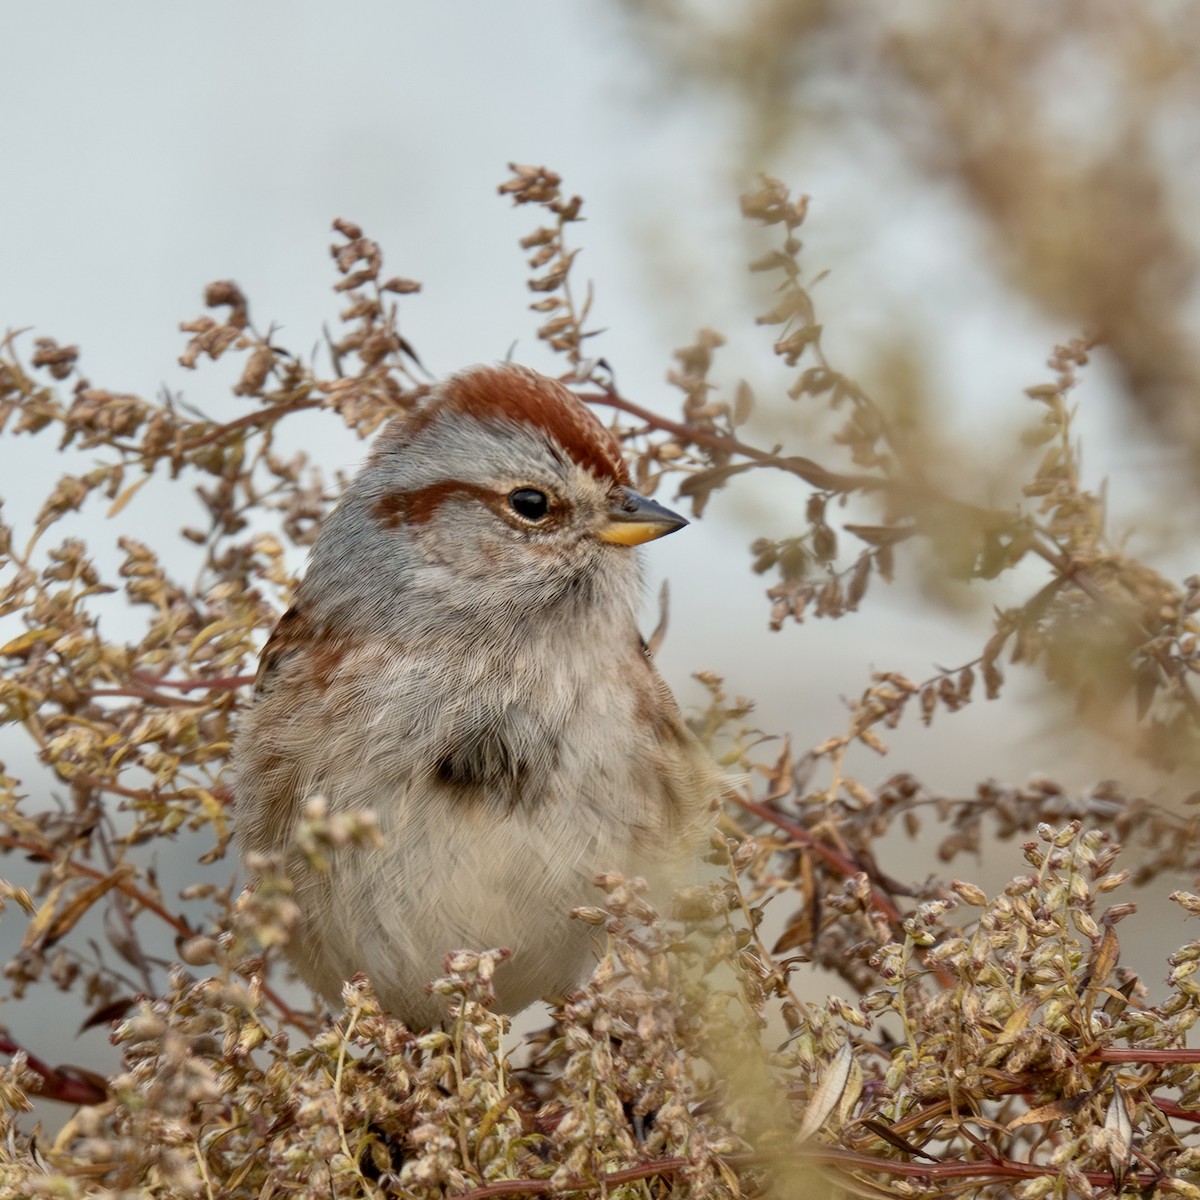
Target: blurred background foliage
{"x": 1067, "y": 131}
{"x": 1054, "y": 147}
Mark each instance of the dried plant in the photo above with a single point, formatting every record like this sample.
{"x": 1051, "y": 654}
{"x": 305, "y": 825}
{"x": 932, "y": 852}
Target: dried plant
{"x": 1058, "y": 125}
{"x": 994, "y": 1046}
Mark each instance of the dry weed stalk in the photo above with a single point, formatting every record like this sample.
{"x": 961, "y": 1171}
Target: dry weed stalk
{"x": 996, "y": 1045}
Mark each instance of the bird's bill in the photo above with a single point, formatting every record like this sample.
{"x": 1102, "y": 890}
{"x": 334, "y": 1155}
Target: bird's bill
{"x": 634, "y": 519}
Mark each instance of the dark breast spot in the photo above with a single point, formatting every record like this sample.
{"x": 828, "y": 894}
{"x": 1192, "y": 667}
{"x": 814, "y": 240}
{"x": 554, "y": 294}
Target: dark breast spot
{"x": 484, "y": 760}
{"x": 506, "y": 760}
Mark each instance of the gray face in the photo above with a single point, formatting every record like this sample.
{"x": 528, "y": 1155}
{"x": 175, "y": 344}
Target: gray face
{"x": 489, "y": 516}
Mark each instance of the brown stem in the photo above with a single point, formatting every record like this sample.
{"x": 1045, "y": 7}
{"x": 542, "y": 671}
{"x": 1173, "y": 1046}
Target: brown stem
{"x": 808, "y": 470}
{"x": 1146, "y": 1056}
{"x": 831, "y": 1156}
{"x": 125, "y": 886}
{"x": 119, "y": 789}
{"x": 951, "y": 1169}
{"x": 70, "y": 1085}
{"x": 145, "y": 687}
{"x": 842, "y": 865}
{"x": 138, "y": 693}
{"x": 260, "y": 416}
{"x": 221, "y": 683}
{"x": 1172, "y": 1108}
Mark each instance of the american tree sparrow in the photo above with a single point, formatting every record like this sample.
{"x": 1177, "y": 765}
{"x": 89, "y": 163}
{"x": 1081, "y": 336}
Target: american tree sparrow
{"x": 462, "y": 658}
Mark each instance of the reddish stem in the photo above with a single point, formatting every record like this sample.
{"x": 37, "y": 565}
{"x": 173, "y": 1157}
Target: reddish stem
{"x": 814, "y": 1156}
{"x": 1172, "y": 1108}
{"x": 808, "y": 470}
{"x": 144, "y": 687}
{"x": 842, "y": 865}
{"x": 222, "y": 683}
{"x": 70, "y": 1085}
{"x": 260, "y": 416}
{"x": 1108, "y": 1054}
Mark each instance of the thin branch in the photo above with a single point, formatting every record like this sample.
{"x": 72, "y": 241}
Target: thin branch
{"x": 843, "y": 866}
{"x": 69, "y": 1085}
{"x": 808, "y": 470}
{"x": 259, "y": 417}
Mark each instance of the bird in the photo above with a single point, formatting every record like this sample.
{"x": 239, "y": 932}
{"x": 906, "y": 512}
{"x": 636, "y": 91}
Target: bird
{"x": 462, "y": 659}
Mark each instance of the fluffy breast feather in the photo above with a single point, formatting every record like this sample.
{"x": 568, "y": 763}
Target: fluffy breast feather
{"x": 484, "y": 834}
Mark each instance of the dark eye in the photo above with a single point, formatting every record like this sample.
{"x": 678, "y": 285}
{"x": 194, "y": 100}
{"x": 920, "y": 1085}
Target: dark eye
{"x": 529, "y": 503}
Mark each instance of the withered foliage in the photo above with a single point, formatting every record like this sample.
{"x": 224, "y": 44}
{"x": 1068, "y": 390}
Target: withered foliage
{"x": 995, "y": 1045}
{"x": 1061, "y": 127}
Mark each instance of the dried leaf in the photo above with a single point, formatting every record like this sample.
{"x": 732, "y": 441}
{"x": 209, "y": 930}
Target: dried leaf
{"x": 27, "y": 640}
{"x": 881, "y": 535}
{"x": 829, "y": 1091}
{"x": 743, "y": 403}
{"x": 1056, "y": 1110}
{"x": 700, "y": 485}
{"x": 128, "y": 494}
{"x": 106, "y": 1014}
{"x": 66, "y": 917}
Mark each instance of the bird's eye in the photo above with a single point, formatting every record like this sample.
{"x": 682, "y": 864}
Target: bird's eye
{"x": 529, "y": 503}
